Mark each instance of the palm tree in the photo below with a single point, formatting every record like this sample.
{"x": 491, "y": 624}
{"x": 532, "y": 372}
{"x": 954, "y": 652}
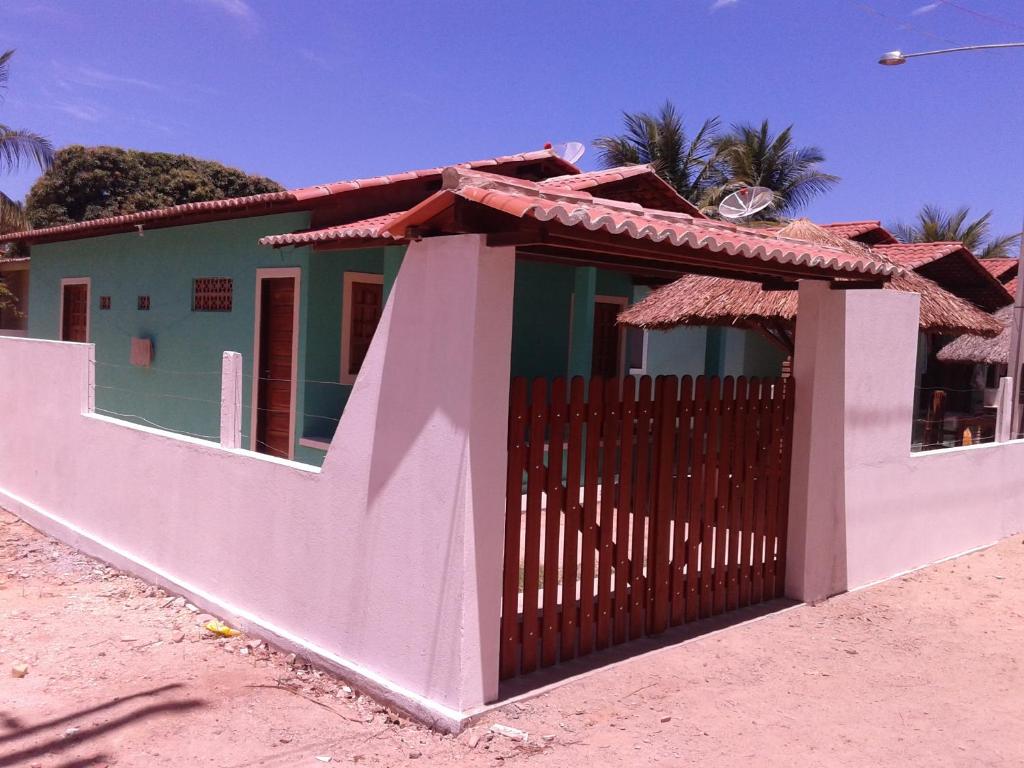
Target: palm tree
{"x": 684, "y": 161}
{"x": 17, "y": 148}
{"x": 751, "y": 155}
{"x": 932, "y": 224}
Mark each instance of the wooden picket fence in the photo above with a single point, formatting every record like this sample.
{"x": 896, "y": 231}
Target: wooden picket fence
{"x": 633, "y": 506}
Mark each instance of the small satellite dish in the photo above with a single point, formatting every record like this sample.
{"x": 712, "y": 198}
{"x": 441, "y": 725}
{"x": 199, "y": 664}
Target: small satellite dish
{"x": 746, "y": 202}
{"x": 570, "y": 151}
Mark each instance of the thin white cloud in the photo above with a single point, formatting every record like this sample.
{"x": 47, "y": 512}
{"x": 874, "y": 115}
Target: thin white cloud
{"x": 80, "y": 111}
{"x": 314, "y": 58}
{"x": 239, "y": 9}
{"x": 719, "y": 4}
{"x": 928, "y": 8}
{"x": 97, "y": 78}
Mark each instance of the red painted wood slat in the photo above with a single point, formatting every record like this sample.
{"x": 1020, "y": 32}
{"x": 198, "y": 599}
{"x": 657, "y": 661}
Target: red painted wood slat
{"x": 531, "y": 551}
{"x": 509, "y": 649}
{"x": 589, "y": 522}
{"x": 609, "y": 448}
{"x": 682, "y": 504}
{"x": 660, "y": 527}
{"x": 761, "y": 490}
{"x": 573, "y": 513}
{"x": 641, "y": 511}
{"x": 624, "y": 499}
{"x": 710, "y": 491}
{"x": 750, "y": 475}
{"x": 738, "y": 467}
{"x": 695, "y": 523}
{"x": 553, "y": 516}
{"x": 725, "y": 440}
{"x": 773, "y": 474}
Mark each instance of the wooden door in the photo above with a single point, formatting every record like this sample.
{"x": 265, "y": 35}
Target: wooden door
{"x": 274, "y": 399}
{"x": 364, "y": 313}
{"x": 605, "y": 358}
{"x": 75, "y": 315}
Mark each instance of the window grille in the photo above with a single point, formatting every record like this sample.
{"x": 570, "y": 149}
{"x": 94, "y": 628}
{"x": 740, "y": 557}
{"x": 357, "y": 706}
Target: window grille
{"x": 212, "y": 294}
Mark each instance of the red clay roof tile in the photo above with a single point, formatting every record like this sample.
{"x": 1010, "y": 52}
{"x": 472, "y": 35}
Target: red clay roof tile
{"x": 579, "y": 209}
{"x": 268, "y": 202}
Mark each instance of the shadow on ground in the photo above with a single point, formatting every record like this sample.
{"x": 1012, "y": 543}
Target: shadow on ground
{"x": 536, "y": 682}
{"x": 43, "y": 739}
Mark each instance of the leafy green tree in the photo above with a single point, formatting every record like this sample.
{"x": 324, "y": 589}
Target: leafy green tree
{"x": 685, "y": 161}
{"x": 932, "y": 224}
{"x": 751, "y": 155}
{"x": 94, "y": 182}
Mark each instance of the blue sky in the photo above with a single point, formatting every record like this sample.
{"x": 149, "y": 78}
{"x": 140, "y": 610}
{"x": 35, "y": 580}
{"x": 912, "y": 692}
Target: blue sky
{"x": 313, "y": 91}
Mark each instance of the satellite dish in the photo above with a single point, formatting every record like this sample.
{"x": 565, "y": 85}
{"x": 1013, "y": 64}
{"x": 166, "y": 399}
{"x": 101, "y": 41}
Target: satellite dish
{"x": 570, "y": 151}
{"x": 746, "y": 202}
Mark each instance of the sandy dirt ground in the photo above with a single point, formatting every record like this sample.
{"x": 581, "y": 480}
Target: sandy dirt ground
{"x": 923, "y": 670}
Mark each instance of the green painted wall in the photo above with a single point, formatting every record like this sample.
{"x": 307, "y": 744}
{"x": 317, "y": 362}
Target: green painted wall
{"x": 181, "y": 391}
{"x": 550, "y": 314}
{"x": 747, "y": 353}
{"x": 541, "y": 310}
{"x": 325, "y": 397}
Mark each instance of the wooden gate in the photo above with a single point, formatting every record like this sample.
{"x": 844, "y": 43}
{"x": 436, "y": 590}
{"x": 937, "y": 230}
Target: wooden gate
{"x": 633, "y": 506}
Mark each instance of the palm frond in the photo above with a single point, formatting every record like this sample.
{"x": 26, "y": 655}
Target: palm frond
{"x": 12, "y": 215}
{"x": 5, "y": 59}
{"x": 18, "y": 147}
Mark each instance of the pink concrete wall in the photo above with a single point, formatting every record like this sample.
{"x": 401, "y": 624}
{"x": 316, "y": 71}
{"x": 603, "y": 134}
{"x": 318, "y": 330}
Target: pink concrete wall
{"x": 863, "y": 507}
{"x": 386, "y": 562}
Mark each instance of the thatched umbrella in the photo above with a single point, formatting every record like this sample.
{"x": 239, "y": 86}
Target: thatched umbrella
{"x": 971, "y": 348}
{"x": 702, "y": 300}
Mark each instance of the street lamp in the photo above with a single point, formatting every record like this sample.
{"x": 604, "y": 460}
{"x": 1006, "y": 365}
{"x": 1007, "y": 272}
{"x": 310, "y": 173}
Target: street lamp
{"x": 895, "y": 58}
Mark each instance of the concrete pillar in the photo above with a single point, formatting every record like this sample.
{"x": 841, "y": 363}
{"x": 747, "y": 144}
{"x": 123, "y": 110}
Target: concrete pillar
{"x": 581, "y": 350}
{"x": 231, "y": 400}
{"x": 1004, "y": 410}
{"x": 854, "y": 371}
{"x": 428, "y": 420}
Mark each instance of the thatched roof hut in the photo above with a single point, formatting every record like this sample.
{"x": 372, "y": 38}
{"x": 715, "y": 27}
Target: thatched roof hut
{"x": 702, "y": 300}
{"x": 970, "y": 348}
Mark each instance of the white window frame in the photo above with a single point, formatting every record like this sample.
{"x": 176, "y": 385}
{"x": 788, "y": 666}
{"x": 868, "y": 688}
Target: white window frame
{"x": 346, "y": 319}
{"x": 642, "y": 370}
{"x": 87, "y": 282}
{"x": 261, "y": 275}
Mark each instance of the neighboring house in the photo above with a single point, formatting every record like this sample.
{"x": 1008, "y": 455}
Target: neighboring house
{"x": 1005, "y": 271}
{"x": 14, "y": 274}
{"x": 163, "y": 293}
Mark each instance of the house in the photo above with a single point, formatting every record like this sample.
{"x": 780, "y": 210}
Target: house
{"x": 697, "y": 300}
{"x": 296, "y": 282}
{"x": 1005, "y": 271}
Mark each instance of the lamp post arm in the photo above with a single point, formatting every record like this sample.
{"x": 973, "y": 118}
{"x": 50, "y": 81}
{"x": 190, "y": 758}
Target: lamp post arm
{"x": 987, "y": 47}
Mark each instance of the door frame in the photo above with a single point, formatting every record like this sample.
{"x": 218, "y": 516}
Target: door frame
{"x": 346, "y": 318}
{"x": 623, "y": 302}
{"x": 261, "y": 275}
{"x": 87, "y": 282}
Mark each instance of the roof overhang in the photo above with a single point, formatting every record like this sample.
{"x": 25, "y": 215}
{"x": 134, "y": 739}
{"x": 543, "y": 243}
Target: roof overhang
{"x": 546, "y": 222}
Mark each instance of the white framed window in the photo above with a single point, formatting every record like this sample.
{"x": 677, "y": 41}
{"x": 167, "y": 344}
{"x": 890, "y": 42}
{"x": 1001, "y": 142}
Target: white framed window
{"x": 362, "y": 302}
{"x": 636, "y": 350}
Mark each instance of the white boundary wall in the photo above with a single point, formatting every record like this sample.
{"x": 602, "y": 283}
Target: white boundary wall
{"x": 385, "y": 564}
{"x": 863, "y": 507}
